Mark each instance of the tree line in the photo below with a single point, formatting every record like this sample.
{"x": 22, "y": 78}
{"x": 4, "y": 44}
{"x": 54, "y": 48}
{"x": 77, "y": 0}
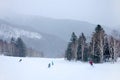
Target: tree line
{"x": 13, "y": 48}
{"x": 100, "y": 48}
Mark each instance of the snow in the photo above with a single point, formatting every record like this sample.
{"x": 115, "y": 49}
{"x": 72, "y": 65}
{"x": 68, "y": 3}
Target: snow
{"x": 37, "y": 69}
{"x": 9, "y": 31}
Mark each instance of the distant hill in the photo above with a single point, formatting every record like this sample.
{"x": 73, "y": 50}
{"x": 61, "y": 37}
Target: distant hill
{"x": 61, "y": 28}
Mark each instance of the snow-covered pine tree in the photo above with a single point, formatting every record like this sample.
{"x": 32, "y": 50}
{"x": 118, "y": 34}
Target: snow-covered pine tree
{"x": 68, "y": 53}
{"x": 1, "y": 46}
{"x": 86, "y": 52}
{"x": 114, "y": 48}
{"x": 71, "y": 52}
{"x": 116, "y": 44}
{"x": 12, "y": 49}
{"x": 81, "y": 47}
{"x": 106, "y": 49}
{"x": 21, "y": 47}
{"x": 74, "y": 45}
{"x": 98, "y": 38}
{"x": 92, "y": 47}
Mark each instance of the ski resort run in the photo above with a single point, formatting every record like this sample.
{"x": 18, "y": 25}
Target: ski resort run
{"x": 37, "y": 69}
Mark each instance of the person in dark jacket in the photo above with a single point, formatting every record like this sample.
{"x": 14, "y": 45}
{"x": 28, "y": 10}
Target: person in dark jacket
{"x": 49, "y": 65}
{"x": 20, "y": 60}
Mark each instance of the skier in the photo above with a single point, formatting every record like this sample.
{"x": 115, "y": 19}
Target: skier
{"x": 52, "y": 63}
{"x": 49, "y": 65}
{"x": 91, "y": 62}
{"x": 20, "y": 60}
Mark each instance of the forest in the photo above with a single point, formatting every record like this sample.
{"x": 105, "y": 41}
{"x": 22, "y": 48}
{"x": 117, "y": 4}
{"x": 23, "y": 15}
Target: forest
{"x": 100, "y": 48}
{"x": 17, "y": 48}
{"x": 13, "y": 48}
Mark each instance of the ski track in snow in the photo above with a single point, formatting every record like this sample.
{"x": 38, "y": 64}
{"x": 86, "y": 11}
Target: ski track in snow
{"x": 37, "y": 69}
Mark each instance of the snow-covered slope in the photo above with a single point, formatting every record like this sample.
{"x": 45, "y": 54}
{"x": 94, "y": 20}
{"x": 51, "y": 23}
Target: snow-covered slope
{"x": 49, "y": 45}
{"x": 7, "y": 31}
{"x": 37, "y": 69}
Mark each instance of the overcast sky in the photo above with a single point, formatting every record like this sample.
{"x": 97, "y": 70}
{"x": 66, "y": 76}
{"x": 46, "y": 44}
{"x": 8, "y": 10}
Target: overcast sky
{"x": 104, "y": 12}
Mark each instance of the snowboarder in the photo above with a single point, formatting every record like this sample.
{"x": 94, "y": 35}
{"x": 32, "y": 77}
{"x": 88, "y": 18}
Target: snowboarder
{"x": 52, "y": 63}
{"x": 49, "y": 65}
{"x": 91, "y": 62}
{"x": 20, "y": 60}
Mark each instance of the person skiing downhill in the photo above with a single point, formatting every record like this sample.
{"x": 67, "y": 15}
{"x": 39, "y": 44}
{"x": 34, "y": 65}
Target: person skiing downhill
{"x": 91, "y": 62}
{"x": 52, "y": 63}
{"x": 20, "y": 60}
{"x": 49, "y": 65}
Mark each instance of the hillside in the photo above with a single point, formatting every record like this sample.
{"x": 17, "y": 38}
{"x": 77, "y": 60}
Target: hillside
{"x": 58, "y": 27}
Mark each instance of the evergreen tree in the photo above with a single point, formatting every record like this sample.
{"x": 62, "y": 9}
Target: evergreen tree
{"x": 106, "y": 50}
{"x": 21, "y": 47}
{"x": 79, "y": 51}
{"x": 13, "y": 47}
{"x": 114, "y": 48}
{"x": 100, "y": 49}
{"x": 1, "y": 46}
{"x": 81, "y": 47}
{"x": 5, "y": 48}
{"x": 73, "y": 38}
{"x": 74, "y": 45}
{"x": 98, "y": 44}
{"x": 83, "y": 42}
{"x": 92, "y": 47}
{"x": 115, "y": 45}
{"x": 68, "y": 54}
{"x": 86, "y": 52}
{"x": 71, "y": 52}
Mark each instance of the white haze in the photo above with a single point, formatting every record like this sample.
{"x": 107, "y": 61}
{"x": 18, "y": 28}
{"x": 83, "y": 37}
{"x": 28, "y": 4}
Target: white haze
{"x": 105, "y": 12}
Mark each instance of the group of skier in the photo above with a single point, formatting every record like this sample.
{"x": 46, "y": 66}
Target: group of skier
{"x": 50, "y": 64}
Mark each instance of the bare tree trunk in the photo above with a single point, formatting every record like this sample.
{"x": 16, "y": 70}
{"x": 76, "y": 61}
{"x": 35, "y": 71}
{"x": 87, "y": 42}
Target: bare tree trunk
{"x": 101, "y": 46}
{"x": 74, "y": 51}
{"x": 82, "y": 52}
{"x": 115, "y": 50}
{"x": 101, "y": 51}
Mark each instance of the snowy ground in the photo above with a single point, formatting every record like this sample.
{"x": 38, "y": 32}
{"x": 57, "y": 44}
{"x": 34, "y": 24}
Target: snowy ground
{"x": 37, "y": 69}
